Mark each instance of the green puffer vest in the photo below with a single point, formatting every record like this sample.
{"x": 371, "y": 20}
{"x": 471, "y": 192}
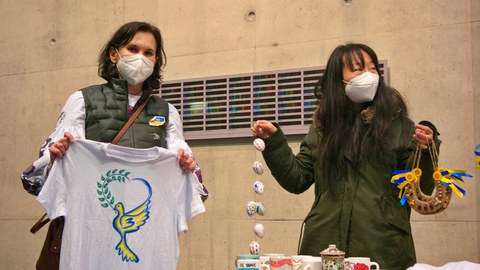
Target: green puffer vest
{"x": 106, "y": 112}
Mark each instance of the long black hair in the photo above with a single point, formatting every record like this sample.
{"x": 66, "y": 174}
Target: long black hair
{"x": 342, "y": 128}
{"x": 107, "y": 69}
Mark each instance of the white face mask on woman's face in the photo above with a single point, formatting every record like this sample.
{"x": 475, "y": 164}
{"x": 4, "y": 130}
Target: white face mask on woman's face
{"x": 135, "y": 69}
{"x": 362, "y": 88}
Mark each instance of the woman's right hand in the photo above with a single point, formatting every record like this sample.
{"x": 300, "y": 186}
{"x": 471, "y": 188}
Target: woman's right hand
{"x": 59, "y": 148}
{"x": 263, "y": 129}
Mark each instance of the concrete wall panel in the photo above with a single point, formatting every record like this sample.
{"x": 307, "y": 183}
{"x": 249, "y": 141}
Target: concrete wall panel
{"x": 51, "y": 49}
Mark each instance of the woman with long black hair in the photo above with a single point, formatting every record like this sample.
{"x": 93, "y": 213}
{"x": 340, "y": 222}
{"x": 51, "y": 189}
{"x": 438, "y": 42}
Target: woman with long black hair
{"x": 361, "y": 134}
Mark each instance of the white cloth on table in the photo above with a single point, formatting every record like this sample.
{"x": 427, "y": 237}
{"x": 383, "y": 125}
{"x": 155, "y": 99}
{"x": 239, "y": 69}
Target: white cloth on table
{"x": 463, "y": 265}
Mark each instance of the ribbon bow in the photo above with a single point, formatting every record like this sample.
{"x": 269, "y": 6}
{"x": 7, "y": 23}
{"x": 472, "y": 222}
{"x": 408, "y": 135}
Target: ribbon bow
{"x": 402, "y": 177}
{"x": 452, "y": 179}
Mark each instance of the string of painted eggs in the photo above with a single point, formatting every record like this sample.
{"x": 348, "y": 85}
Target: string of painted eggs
{"x": 254, "y": 207}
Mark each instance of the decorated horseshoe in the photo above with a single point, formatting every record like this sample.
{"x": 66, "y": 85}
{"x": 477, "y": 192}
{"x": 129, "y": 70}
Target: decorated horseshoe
{"x": 446, "y": 182}
{"x": 425, "y": 204}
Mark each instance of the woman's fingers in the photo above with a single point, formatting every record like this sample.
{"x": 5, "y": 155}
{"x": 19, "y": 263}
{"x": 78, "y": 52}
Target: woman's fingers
{"x": 263, "y": 129}
{"x": 59, "y": 148}
{"x": 185, "y": 160}
{"x": 423, "y": 135}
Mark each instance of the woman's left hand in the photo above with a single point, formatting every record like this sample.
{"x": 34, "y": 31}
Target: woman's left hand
{"x": 423, "y": 135}
{"x": 185, "y": 160}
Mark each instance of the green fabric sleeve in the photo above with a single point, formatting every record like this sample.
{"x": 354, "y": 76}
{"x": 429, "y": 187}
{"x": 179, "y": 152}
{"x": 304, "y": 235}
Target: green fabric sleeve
{"x": 293, "y": 172}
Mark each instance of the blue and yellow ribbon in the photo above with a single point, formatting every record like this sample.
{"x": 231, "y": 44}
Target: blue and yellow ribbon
{"x": 452, "y": 179}
{"x": 401, "y": 178}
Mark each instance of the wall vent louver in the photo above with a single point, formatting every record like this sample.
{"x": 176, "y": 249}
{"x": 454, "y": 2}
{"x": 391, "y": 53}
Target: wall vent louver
{"x": 226, "y": 106}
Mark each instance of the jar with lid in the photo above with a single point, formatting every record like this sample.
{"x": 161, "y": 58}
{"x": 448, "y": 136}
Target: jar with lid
{"x": 332, "y": 258}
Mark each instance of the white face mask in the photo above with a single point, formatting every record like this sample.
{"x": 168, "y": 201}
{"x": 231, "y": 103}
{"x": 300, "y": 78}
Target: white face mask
{"x": 363, "y": 87}
{"x": 135, "y": 68}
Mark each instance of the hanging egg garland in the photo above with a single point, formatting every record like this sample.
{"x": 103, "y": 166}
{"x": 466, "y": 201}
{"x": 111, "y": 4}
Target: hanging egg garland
{"x": 255, "y": 207}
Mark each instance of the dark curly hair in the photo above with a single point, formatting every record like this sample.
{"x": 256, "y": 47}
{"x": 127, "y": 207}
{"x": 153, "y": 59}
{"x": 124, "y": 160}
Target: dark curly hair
{"x": 107, "y": 69}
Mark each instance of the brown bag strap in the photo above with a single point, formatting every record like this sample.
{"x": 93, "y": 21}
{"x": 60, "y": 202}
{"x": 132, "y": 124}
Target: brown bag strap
{"x": 129, "y": 122}
{"x": 39, "y": 224}
{"x": 42, "y": 221}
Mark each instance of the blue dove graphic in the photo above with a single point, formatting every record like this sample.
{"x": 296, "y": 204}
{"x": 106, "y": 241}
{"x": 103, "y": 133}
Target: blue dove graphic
{"x": 129, "y": 222}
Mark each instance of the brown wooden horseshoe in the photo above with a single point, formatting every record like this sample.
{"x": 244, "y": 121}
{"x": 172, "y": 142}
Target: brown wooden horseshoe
{"x": 425, "y": 204}
{"x": 446, "y": 182}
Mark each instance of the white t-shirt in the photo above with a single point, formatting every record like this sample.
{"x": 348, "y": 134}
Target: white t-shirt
{"x": 123, "y": 207}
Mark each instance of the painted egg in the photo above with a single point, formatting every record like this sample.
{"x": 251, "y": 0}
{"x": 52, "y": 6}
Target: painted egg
{"x": 259, "y": 187}
{"x": 251, "y": 208}
{"x": 259, "y": 230}
{"x": 258, "y": 167}
{"x": 254, "y": 248}
{"x": 260, "y": 208}
{"x": 259, "y": 144}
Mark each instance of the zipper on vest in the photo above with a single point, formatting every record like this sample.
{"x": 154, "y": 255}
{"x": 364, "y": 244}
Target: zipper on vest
{"x": 132, "y": 136}
{"x": 130, "y": 129}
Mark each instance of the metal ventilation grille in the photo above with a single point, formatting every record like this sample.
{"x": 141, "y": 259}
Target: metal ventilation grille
{"x": 226, "y": 107}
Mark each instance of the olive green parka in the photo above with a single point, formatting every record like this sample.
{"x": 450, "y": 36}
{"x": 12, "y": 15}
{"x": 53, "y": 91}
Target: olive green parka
{"x": 361, "y": 213}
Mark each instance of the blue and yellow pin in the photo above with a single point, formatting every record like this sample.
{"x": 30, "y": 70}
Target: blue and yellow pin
{"x": 157, "y": 121}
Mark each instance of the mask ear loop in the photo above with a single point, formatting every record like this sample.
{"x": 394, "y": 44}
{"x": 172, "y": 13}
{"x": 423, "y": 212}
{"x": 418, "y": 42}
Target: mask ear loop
{"x": 118, "y": 53}
{"x": 115, "y": 64}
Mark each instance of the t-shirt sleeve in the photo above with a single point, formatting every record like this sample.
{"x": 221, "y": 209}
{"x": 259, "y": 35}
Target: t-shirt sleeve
{"x": 53, "y": 194}
{"x": 189, "y": 201}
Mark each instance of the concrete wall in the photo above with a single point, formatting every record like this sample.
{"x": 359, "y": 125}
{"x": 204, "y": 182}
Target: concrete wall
{"x": 50, "y": 49}
{"x": 475, "y": 11}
